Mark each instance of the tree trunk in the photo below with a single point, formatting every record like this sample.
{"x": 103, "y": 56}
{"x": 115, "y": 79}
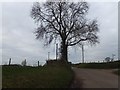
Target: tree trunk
{"x": 64, "y": 51}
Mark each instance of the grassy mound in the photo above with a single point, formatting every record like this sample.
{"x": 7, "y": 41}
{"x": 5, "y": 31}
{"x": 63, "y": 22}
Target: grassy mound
{"x": 109, "y": 65}
{"x": 48, "y": 76}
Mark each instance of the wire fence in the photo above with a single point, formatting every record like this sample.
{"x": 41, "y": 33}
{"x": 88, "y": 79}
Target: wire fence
{"x": 35, "y": 61}
{"x": 30, "y": 61}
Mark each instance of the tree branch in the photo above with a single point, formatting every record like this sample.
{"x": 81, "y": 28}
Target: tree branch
{"x": 72, "y": 44}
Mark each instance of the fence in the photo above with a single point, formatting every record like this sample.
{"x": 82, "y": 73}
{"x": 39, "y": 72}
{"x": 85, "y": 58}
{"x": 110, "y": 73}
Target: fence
{"x": 24, "y": 62}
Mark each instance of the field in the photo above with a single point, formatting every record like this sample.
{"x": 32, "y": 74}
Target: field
{"x": 55, "y": 75}
{"x": 104, "y": 65}
{"x": 49, "y": 76}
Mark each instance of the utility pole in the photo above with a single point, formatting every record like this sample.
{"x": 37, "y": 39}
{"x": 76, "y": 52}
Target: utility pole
{"x": 82, "y": 53}
{"x": 56, "y": 50}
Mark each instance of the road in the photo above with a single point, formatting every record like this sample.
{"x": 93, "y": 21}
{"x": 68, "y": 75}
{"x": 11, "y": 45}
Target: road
{"x": 94, "y": 78}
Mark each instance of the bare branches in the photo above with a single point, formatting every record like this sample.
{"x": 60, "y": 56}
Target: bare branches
{"x": 84, "y": 32}
{"x": 72, "y": 44}
{"x": 65, "y": 20}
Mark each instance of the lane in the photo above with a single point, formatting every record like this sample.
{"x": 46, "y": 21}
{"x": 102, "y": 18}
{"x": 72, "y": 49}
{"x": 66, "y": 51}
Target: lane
{"x": 95, "y": 78}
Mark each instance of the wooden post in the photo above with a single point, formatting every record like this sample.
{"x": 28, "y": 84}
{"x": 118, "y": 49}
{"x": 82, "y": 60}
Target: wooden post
{"x": 38, "y": 63}
{"x": 25, "y": 62}
{"x": 9, "y": 61}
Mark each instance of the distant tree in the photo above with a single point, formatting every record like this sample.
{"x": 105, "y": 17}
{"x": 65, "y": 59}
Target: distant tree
{"x": 112, "y": 59}
{"x": 65, "y": 21}
{"x": 24, "y": 63}
{"x": 107, "y": 59}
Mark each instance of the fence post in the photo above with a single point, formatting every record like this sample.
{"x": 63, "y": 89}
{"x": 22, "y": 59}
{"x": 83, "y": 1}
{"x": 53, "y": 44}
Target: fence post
{"x": 38, "y": 63}
{"x": 9, "y": 61}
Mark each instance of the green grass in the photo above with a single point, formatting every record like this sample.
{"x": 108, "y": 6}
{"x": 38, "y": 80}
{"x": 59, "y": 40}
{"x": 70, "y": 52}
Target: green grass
{"x": 109, "y": 65}
{"x": 48, "y": 76}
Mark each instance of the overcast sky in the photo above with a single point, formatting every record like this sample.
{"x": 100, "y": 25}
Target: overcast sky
{"x": 19, "y": 43}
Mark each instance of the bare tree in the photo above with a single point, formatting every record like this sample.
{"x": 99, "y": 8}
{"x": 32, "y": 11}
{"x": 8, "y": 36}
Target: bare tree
{"x": 107, "y": 59}
{"x": 65, "y": 21}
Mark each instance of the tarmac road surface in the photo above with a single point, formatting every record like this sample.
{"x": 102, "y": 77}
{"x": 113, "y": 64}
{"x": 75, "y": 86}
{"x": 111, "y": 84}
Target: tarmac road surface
{"x": 94, "y": 78}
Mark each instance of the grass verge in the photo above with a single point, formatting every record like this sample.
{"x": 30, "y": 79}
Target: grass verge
{"x": 37, "y": 77}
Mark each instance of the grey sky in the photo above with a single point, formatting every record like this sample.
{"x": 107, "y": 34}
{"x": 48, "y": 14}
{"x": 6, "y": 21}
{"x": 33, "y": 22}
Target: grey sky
{"x": 19, "y": 41}
{"x": 0, "y": 33}
{"x": 119, "y": 30}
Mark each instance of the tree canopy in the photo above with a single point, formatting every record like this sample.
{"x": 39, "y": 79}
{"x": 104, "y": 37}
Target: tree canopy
{"x": 66, "y": 21}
